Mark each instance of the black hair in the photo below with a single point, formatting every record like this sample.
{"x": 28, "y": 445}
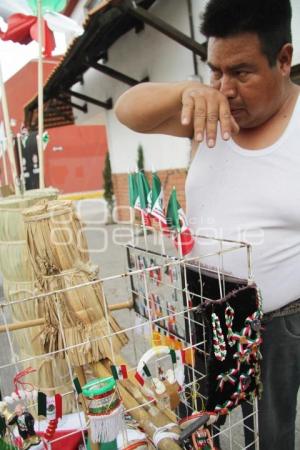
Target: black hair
{"x": 269, "y": 19}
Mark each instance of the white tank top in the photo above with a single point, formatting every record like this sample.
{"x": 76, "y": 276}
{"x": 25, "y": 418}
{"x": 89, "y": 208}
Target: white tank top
{"x": 251, "y": 196}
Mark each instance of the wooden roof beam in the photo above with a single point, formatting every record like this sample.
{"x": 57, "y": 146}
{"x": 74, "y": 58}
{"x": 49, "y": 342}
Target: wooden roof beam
{"x": 117, "y": 75}
{"x": 147, "y": 17}
{"x": 83, "y": 108}
{"x": 107, "y": 105}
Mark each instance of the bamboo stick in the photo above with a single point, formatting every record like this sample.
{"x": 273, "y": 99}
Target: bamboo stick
{"x": 147, "y": 422}
{"x": 135, "y": 389}
{"x": 38, "y": 322}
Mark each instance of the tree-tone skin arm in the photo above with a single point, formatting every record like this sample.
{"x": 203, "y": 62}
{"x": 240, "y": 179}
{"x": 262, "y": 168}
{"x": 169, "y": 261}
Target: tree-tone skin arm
{"x": 185, "y": 109}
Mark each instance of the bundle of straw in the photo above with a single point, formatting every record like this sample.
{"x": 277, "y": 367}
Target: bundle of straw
{"x": 51, "y": 375}
{"x": 20, "y": 282}
{"x": 15, "y": 263}
{"x": 77, "y": 319}
{"x": 11, "y": 219}
{"x": 55, "y": 238}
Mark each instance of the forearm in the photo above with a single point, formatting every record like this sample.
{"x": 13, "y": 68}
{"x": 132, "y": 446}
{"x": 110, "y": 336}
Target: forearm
{"x": 147, "y": 106}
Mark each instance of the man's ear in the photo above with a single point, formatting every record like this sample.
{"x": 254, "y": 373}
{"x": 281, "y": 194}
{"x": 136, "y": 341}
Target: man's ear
{"x": 284, "y": 59}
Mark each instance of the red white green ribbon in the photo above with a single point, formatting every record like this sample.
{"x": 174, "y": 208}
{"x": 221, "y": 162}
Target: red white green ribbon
{"x": 218, "y": 338}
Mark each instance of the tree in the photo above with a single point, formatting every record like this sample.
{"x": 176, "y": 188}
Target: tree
{"x": 108, "y": 188}
{"x": 140, "y": 158}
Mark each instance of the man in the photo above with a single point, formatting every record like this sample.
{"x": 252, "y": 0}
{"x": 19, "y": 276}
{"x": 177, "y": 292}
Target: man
{"x": 244, "y": 178}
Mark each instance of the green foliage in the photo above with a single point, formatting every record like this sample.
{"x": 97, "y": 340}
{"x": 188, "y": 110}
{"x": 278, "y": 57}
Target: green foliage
{"x": 108, "y": 186}
{"x": 140, "y": 158}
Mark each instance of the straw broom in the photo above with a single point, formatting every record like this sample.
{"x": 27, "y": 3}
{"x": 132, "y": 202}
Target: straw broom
{"x": 59, "y": 254}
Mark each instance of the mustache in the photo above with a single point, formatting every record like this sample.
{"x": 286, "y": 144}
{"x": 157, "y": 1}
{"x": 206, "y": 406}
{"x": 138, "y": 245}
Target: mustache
{"x": 235, "y": 107}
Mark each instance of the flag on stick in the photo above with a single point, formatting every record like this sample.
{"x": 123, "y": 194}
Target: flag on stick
{"x": 145, "y": 373}
{"x": 133, "y": 192}
{"x": 119, "y": 372}
{"x": 77, "y": 386}
{"x": 144, "y": 197}
{"x": 157, "y": 210}
{"x": 50, "y": 407}
{"x": 177, "y": 221}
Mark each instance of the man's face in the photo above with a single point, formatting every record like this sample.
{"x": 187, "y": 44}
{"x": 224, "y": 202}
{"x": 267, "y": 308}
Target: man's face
{"x": 242, "y": 73}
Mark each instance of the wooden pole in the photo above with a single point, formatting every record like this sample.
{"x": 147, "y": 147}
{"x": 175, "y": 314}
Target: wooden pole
{"x": 10, "y": 145}
{"x": 39, "y": 322}
{"x": 40, "y": 96}
{"x": 135, "y": 389}
{"x": 4, "y": 163}
{"x": 22, "y": 179}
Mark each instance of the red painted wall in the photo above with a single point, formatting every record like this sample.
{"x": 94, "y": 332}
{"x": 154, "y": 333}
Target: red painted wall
{"x": 74, "y": 158}
{"x": 78, "y": 167}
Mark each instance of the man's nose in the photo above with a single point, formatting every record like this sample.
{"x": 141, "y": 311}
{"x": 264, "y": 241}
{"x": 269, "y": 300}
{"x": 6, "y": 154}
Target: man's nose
{"x": 228, "y": 86}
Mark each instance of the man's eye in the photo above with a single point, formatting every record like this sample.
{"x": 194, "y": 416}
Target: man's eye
{"x": 216, "y": 74}
{"x": 241, "y": 74}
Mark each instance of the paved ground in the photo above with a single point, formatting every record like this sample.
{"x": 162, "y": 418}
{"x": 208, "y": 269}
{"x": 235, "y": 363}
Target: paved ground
{"x": 105, "y": 243}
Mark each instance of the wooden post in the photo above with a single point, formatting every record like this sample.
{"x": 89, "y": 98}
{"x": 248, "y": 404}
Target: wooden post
{"x": 10, "y": 145}
{"x": 41, "y": 321}
{"x": 40, "y": 96}
{"x": 22, "y": 179}
{"x": 3, "y": 155}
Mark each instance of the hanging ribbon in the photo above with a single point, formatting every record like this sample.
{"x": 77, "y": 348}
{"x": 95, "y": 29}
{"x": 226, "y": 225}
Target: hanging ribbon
{"x": 19, "y": 383}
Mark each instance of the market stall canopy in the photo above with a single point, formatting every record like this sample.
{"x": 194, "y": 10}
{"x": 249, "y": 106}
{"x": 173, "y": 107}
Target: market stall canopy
{"x": 103, "y": 26}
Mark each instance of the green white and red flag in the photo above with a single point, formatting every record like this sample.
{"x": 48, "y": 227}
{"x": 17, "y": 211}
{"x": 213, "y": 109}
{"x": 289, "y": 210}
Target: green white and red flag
{"x": 133, "y": 192}
{"x": 119, "y": 372}
{"x": 135, "y": 200}
{"x": 141, "y": 375}
{"x": 177, "y": 221}
{"x": 144, "y": 197}
{"x": 157, "y": 209}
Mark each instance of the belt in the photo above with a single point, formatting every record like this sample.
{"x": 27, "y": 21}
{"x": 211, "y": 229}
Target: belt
{"x": 286, "y": 310}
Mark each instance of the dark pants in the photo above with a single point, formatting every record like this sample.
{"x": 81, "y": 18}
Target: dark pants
{"x": 281, "y": 379}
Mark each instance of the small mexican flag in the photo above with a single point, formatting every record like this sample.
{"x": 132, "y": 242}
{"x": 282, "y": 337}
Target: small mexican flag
{"x": 157, "y": 210}
{"x": 177, "y": 356}
{"x": 50, "y": 407}
{"x": 144, "y": 373}
{"x": 135, "y": 199}
{"x": 177, "y": 221}
{"x": 119, "y": 372}
{"x": 133, "y": 192}
{"x": 144, "y": 195}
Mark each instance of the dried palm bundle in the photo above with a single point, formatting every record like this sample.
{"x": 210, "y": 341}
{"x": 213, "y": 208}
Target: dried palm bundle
{"x": 52, "y": 375}
{"x": 15, "y": 263}
{"x": 49, "y": 193}
{"x": 80, "y": 318}
{"x": 11, "y": 219}
{"x": 54, "y": 237}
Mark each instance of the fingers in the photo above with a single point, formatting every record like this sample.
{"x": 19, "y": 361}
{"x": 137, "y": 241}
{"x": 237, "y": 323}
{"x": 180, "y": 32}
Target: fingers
{"x": 187, "y": 110}
{"x": 205, "y": 107}
{"x": 212, "y": 123}
{"x": 199, "y": 118}
{"x": 226, "y": 120}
